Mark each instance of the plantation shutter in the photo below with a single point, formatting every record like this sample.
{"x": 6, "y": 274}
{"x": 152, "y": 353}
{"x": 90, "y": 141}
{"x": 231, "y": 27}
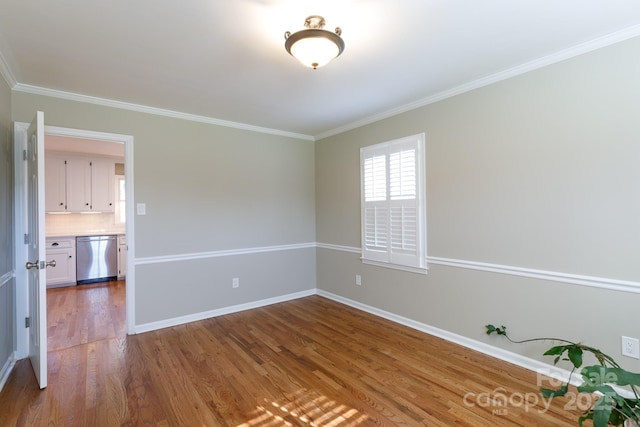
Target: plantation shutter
{"x": 376, "y": 209}
{"x": 393, "y": 213}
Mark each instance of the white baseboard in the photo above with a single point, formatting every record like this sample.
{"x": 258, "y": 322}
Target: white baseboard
{"x": 498, "y": 353}
{"x": 6, "y": 369}
{"x": 152, "y": 326}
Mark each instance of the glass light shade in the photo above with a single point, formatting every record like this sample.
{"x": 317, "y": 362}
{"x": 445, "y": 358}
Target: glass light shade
{"x": 314, "y": 46}
{"x": 314, "y": 52}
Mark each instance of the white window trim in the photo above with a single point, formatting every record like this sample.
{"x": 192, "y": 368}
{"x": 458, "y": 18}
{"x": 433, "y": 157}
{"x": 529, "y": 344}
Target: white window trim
{"x": 383, "y": 258}
{"x": 120, "y": 206}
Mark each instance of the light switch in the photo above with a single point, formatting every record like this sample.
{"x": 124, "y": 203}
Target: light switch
{"x": 142, "y": 209}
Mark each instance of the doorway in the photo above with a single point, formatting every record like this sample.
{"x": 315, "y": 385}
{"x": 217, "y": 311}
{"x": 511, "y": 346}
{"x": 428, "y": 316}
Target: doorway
{"x": 21, "y": 297}
{"x": 86, "y": 247}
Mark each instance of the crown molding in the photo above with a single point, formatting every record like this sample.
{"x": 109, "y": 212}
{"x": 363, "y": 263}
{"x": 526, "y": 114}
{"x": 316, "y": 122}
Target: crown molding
{"x": 70, "y": 96}
{"x": 604, "y": 41}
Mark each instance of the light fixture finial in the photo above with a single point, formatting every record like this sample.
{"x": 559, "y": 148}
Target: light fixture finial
{"x": 314, "y": 46}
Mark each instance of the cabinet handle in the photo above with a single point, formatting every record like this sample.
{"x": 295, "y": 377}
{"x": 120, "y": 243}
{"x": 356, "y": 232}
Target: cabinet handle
{"x": 110, "y": 204}
{"x": 70, "y": 257}
{"x": 55, "y": 244}
{"x": 61, "y": 204}
{"x": 86, "y": 204}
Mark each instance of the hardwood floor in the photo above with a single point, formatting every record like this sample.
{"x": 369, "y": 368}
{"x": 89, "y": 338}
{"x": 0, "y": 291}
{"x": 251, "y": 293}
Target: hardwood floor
{"x": 84, "y": 314}
{"x": 310, "y": 361}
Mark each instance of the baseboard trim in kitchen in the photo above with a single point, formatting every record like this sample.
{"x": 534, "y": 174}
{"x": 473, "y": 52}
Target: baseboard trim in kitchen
{"x": 152, "y": 326}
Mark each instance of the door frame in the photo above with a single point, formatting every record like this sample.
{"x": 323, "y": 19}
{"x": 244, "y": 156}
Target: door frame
{"x": 21, "y": 306}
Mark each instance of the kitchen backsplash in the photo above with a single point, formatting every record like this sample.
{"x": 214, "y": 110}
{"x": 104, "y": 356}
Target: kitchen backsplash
{"x": 76, "y": 224}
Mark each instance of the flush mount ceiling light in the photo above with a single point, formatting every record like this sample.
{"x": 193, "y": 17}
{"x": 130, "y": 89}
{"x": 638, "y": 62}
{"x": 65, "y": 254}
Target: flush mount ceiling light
{"x": 314, "y": 46}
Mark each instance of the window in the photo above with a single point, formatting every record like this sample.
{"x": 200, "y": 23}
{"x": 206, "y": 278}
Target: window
{"x": 120, "y": 211}
{"x": 394, "y": 204}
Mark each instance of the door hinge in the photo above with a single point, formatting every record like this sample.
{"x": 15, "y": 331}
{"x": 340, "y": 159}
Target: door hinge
{"x": 24, "y": 155}
{"x": 27, "y": 322}
{"x": 26, "y": 239}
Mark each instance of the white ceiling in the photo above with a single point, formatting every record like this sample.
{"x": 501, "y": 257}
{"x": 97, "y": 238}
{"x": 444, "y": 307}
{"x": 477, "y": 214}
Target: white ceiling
{"x": 225, "y": 59}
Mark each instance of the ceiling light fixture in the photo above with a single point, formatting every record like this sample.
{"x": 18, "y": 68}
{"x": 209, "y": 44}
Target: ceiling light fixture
{"x": 314, "y": 46}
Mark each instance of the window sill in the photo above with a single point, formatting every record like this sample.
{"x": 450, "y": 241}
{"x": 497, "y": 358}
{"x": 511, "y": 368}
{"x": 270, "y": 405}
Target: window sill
{"x": 418, "y": 270}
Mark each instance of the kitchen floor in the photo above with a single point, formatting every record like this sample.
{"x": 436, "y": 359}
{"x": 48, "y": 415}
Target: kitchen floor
{"x": 85, "y": 313}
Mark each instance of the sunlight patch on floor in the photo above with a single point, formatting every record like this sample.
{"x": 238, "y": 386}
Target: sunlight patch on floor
{"x": 304, "y": 407}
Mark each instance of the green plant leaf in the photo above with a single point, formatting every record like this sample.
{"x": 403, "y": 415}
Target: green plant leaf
{"x": 550, "y": 394}
{"x": 557, "y": 350}
{"x": 575, "y": 356}
{"x": 601, "y": 388}
{"x": 598, "y": 375}
{"x": 602, "y": 411}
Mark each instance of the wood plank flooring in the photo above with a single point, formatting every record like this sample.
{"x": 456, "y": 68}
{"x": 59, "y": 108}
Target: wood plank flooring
{"x": 308, "y": 362}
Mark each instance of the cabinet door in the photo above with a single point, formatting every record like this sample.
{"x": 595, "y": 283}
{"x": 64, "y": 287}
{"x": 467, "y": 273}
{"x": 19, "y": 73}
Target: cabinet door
{"x": 64, "y": 273}
{"x": 55, "y": 182}
{"x": 102, "y": 185}
{"x": 122, "y": 260}
{"x": 78, "y": 184}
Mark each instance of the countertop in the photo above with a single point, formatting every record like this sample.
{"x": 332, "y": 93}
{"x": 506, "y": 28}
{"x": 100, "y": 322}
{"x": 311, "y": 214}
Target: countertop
{"x": 86, "y": 233}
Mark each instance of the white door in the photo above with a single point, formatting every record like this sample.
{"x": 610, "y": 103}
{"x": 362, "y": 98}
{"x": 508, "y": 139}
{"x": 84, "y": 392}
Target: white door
{"x": 37, "y": 278}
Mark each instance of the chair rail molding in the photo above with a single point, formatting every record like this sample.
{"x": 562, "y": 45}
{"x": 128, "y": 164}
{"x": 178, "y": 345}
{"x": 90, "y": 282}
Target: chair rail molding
{"x": 554, "y": 276}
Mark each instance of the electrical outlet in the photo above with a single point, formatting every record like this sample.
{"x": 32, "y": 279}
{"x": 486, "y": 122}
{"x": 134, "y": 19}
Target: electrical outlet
{"x": 358, "y": 280}
{"x": 631, "y": 347}
{"x": 235, "y": 283}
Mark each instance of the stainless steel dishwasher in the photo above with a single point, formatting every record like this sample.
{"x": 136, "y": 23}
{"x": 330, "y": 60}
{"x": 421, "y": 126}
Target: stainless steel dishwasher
{"x": 96, "y": 258}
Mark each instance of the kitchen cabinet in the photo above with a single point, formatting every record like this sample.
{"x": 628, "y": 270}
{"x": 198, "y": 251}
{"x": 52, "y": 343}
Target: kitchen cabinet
{"x": 63, "y": 251}
{"x": 79, "y": 184}
{"x": 55, "y": 181}
{"x": 122, "y": 256}
{"x": 103, "y": 180}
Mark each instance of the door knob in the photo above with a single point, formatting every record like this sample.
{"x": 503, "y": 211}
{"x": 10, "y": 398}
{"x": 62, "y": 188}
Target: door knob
{"x": 31, "y": 265}
{"x": 51, "y": 263}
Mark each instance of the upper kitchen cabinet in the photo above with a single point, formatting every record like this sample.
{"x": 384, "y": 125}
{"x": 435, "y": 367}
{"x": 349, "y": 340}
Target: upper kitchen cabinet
{"x": 79, "y": 183}
{"x": 90, "y": 183}
{"x": 56, "y": 181}
{"x": 102, "y": 185}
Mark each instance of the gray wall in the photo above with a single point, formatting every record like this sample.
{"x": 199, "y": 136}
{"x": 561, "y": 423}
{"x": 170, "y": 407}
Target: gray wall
{"x": 540, "y": 171}
{"x": 207, "y": 188}
{"x": 6, "y": 226}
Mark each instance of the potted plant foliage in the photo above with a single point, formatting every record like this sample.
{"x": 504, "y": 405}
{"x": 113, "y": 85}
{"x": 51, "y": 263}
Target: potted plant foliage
{"x": 610, "y": 407}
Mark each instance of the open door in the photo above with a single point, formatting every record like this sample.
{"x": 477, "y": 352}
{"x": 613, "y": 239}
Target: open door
{"x": 35, "y": 239}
